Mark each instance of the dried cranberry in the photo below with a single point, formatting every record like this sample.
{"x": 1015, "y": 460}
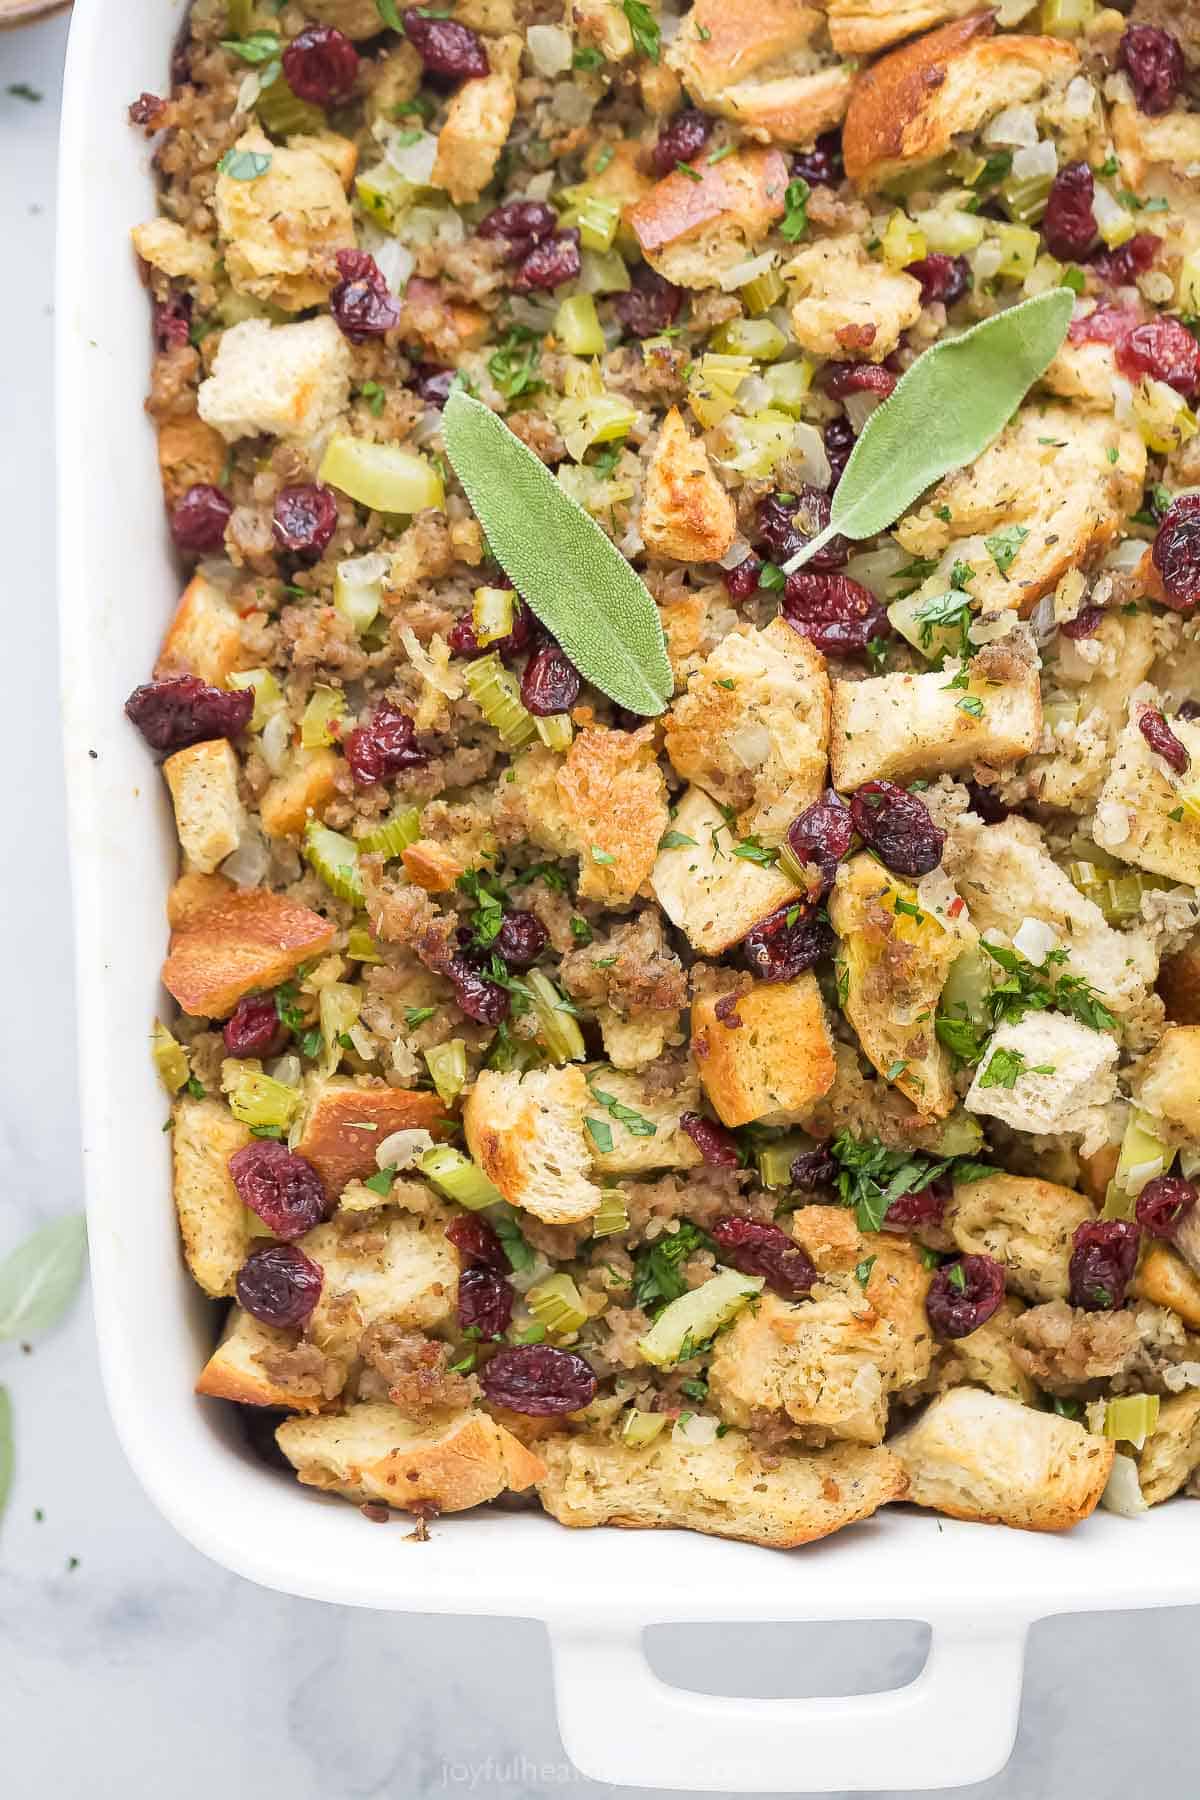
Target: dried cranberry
{"x": 924, "y": 1207}
{"x": 432, "y": 385}
{"x": 362, "y": 303}
{"x": 476, "y": 1242}
{"x": 550, "y": 263}
{"x": 716, "y": 1144}
{"x": 463, "y": 642}
{"x": 1176, "y": 552}
{"x": 304, "y": 519}
{"x": 172, "y": 322}
{"x": 1102, "y": 1263}
{"x": 1163, "y": 1204}
{"x": 787, "y": 941}
{"x": 963, "y": 1295}
{"x": 520, "y": 940}
{"x": 199, "y": 518}
{"x": 321, "y": 64}
{"x": 839, "y": 615}
{"x": 1107, "y": 325}
{"x": 741, "y": 582}
{"x": 1163, "y": 349}
{"x": 485, "y": 1301}
{"x": 821, "y": 836}
{"x": 678, "y": 142}
{"x": 839, "y": 444}
{"x": 649, "y": 305}
{"x": 254, "y": 1027}
{"x": 1188, "y": 709}
{"x": 1085, "y": 623}
{"x": 482, "y": 1000}
{"x": 538, "y": 1380}
{"x": 756, "y": 1249}
{"x": 842, "y": 378}
{"x": 173, "y": 714}
{"x": 898, "y": 827}
{"x": 550, "y": 683}
{"x": 813, "y": 1169}
{"x": 986, "y": 803}
{"x": 279, "y": 1285}
{"x": 1121, "y": 267}
{"x": 149, "y": 110}
{"x": 383, "y": 747}
{"x": 1153, "y": 60}
{"x": 1069, "y": 226}
{"x": 521, "y": 223}
{"x": 445, "y": 47}
{"x": 776, "y": 529}
{"x": 822, "y": 165}
{"x": 1162, "y": 740}
{"x": 285, "y": 1191}
{"x": 944, "y": 278}
{"x": 786, "y": 525}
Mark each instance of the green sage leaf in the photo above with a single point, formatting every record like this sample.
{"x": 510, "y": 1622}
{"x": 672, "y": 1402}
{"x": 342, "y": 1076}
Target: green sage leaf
{"x": 7, "y": 1453}
{"x": 948, "y": 408}
{"x": 39, "y": 1280}
{"x": 558, "y": 559}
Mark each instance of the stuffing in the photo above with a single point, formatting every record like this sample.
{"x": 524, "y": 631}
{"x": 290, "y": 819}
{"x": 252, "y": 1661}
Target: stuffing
{"x": 292, "y": 380}
{"x": 686, "y": 513}
{"x": 1082, "y": 372}
{"x": 1179, "y": 984}
{"x": 526, "y": 1132}
{"x": 860, "y": 27}
{"x": 204, "y": 637}
{"x": 713, "y": 896}
{"x": 245, "y": 940}
{"x": 251, "y": 1365}
{"x": 766, "y": 67}
{"x": 892, "y": 727}
{"x": 1049, "y": 491}
{"x": 1071, "y": 775}
{"x": 165, "y": 245}
{"x": 1045, "y": 1073}
{"x": 895, "y": 957}
{"x": 908, "y": 108}
{"x": 631, "y": 1041}
{"x": 389, "y": 1265}
{"x": 752, "y": 729}
{"x": 190, "y": 454}
{"x": 987, "y": 1357}
{"x": 975, "y": 1455}
{"x": 845, "y": 302}
{"x": 345, "y": 1121}
{"x": 356, "y": 19}
{"x": 634, "y": 1149}
{"x": 1157, "y": 153}
{"x": 1166, "y": 1280}
{"x": 1065, "y": 1349}
{"x": 476, "y": 126}
{"x": 601, "y": 26}
{"x": 693, "y": 232}
{"x": 1024, "y": 1224}
{"x": 371, "y": 1453}
{"x": 213, "y": 1223}
{"x": 303, "y": 792}
{"x": 766, "y": 1054}
{"x": 1172, "y": 1450}
{"x": 724, "y": 1489}
{"x": 1138, "y": 814}
{"x": 280, "y": 228}
{"x": 209, "y": 817}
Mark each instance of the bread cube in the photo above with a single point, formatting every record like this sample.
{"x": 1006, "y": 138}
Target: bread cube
{"x": 291, "y": 799}
{"x": 770, "y": 1056}
{"x": 476, "y": 126}
{"x": 847, "y": 303}
{"x": 974, "y": 1455}
{"x": 258, "y": 1366}
{"x": 1166, "y": 1279}
{"x": 766, "y": 66}
{"x": 356, "y": 19}
{"x": 633, "y": 1149}
{"x": 1139, "y": 816}
{"x": 191, "y": 894}
{"x": 204, "y": 637}
{"x": 1172, "y": 1450}
{"x": 723, "y": 1489}
{"x": 213, "y": 1223}
{"x": 246, "y": 940}
{"x": 686, "y": 513}
{"x": 985, "y": 1356}
{"x": 280, "y": 229}
{"x": 346, "y": 1122}
{"x": 190, "y": 454}
{"x": 1024, "y": 1224}
{"x": 209, "y": 817}
{"x": 288, "y": 381}
{"x": 1157, "y": 149}
{"x": 753, "y": 727}
{"x": 526, "y": 1132}
{"x": 693, "y": 232}
{"x": 860, "y": 27}
{"x": 603, "y": 27}
{"x": 166, "y": 245}
{"x": 1168, "y": 1083}
{"x": 371, "y": 1452}
{"x": 713, "y": 896}
{"x": 1065, "y": 1070}
{"x": 1071, "y": 775}
{"x": 432, "y": 866}
{"x": 389, "y": 1265}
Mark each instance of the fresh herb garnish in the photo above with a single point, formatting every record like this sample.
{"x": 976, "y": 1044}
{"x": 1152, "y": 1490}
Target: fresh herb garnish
{"x": 1002, "y": 546}
{"x": 417, "y": 1015}
{"x": 657, "y": 1279}
{"x": 40, "y": 1278}
{"x": 794, "y": 223}
{"x": 259, "y": 47}
{"x": 244, "y": 165}
{"x": 513, "y": 363}
{"x": 647, "y": 37}
{"x": 862, "y": 1270}
{"x": 519, "y": 1255}
{"x": 389, "y": 13}
{"x": 634, "y": 1122}
{"x": 587, "y": 58}
{"x": 381, "y": 1183}
{"x": 871, "y": 1176}
{"x": 600, "y": 1132}
{"x": 676, "y": 840}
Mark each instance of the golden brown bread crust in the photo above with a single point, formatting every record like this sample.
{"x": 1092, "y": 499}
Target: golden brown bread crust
{"x": 304, "y": 792}
{"x": 860, "y": 27}
{"x": 204, "y": 638}
{"x": 213, "y": 1223}
{"x": 686, "y": 513}
{"x": 749, "y": 187}
{"x": 765, "y": 1054}
{"x": 249, "y": 939}
{"x": 334, "y": 1141}
{"x": 190, "y": 453}
{"x": 370, "y": 1452}
{"x": 1166, "y": 1279}
{"x": 234, "y": 1371}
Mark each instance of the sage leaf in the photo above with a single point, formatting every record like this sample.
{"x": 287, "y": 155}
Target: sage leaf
{"x": 558, "y": 559}
{"x": 950, "y": 405}
{"x": 39, "y": 1280}
{"x": 7, "y": 1453}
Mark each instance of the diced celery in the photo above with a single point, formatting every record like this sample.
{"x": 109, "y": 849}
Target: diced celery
{"x": 361, "y": 947}
{"x": 695, "y": 1316}
{"x": 1189, "y": 283}
{"x": 358, "y": 590}
{"x": 1114, "y": 222}
{"x": 603, "y": 273}
{"x": 774, "y": 1161}
{"x": 1025, "y": 198}
{"x": 556, "y": 730}
{"x": 257, "y": 1099}
{"x": 960, "y": 1135}
{"x": 713, "y": 386}
{"x": 759, "y": 295}
{"x": 968, "y": 985}
{"x": 1162, "y": 416}
{"x": 759, "y": 443}
{"x": 593, "y": 419}
{"x": 951, "y": 233}
{"x": 556, "y": 1303}
{"x": 325, "y": 709}
{"x": 965, "y": 165}
{"x": 393, "y": 835}
{"x": 284, "y": 114}
{"x": 335, "y": 859}
{"x": 170, "y": 1058}
{"x": 641, "y": 1428}
{"x": 494, "y": 691}
{"x": 1144, "y": 1154}
{"x": 902, "y": 241}
{"x": 447, "y": 1065}
{"x": 1131, "y": 1418}
{"x": 384, "y": 195}
{"x": 788, "y": 384}
{"x": 577, "y": 325}
{"x": 1117, "y": 892}
{"x": 1019, "y": 246}
{"x": 381, "y": 476}
{"x": 597, "y": 219}
{"x": 759, "y": 339}
{"x": 558, "y": 1029}
{"x": 491, "y": 615}
{"x": 268, "y": 696}
{"x": 339, "y": 1005}
{"x": 238, "y": 16}
{"x": 612, "y": 1215}
{"x": 456, "y": 1176}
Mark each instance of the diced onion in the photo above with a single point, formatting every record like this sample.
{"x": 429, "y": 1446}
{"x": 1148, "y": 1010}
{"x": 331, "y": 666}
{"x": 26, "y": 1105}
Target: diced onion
{"x": 395, "y": 262}
{"x": 275, "y": 742}
{"x": 859, "y": 408}
{"x": 572, "y": 104}
{"x": 1033, "y": 160}
{"x": 1015, "y": 125}
{"x": 987, "y": 259}
{"x": 1042, "y": 621}
{"x": 1079, "y": 98}
{"x": 1122, "y": 392}
{"x": 286, "y": 1069}
{"x": 402, "y": 1148}
{"x": 751, "y": 744}
{"x": 874, "y": 569}
{"x": 413, "y": 160}
{"x": 809, "y": 456}
{"x": 694, "y": 1428}
{"x": 1123, "y": 1492}
{"x": 737, "y": 553}
{"x": 1035, "y": 939}
{"x": 1126, "y": 555}
{"x": 746, "y": 271}
{"x": 550, "y": 49}
{"x": 247, "y": 865}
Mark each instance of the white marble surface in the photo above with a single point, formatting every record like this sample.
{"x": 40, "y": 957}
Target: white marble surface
{"x": 143, "y": 1670}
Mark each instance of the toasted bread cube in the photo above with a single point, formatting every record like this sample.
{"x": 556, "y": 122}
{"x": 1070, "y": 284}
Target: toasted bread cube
{"x": 526, "y": 1133}
{"x": 713, "y": 896}
{"x": 1083, "y": 372}
{"x": 1066, "y": 1070}
{"x": 753, "y": 727}
{"x": 1071, "y": 775}
{"x": 432, "y": 866}
{"x": 303, "y": 793}
{"x": 166, "y": 245}
{"x": 847, "y": 303}
{"x": 338, "y": 153}
{"x": 239, "y": 1368}
{"x": 1167, "y": 1280}
{"x": 763, "y": 66}
{"x": 209, "y": 817}
{"x": 204, "y": 637}
{"x": 213, "y": 1223}
{"x": 279, "y": 226}
{"x": 1168, "y": 1084}
{"x": 636, "y": 1150}
{"x": 248, "y": 939}
{"x": 476, "y": 126}
{"x": 1024, "y": 1224}
{"x": 345, "y": 1123}
{"x": 908, "y": 108}
{"x": 686, "y": 513}
{"x": 693, "y": 232}
{"x": 1157, "y": 148}
{"x": 974, "y": 1455}
{"x": 288, "y": 381}
{"x": 860, "y": 27}
{"x": 770, "y": 1057}
{"x": 895, "y": 958}
{"x": 393, "y": 1265}
{"x": 1172, "y": 1450}
{"x": 356, "y": 19}
{"x": 896, "y": 726}
{"x": 192, "y": 894}
{"x": 986, "y": 1355}
{"x": 190, "y": 453}
{"x": 603, "y": 27}
{"x": 723, "y": 1489}
{"x": 1138, "y": 814}
{"x": 635, "y": 1039}
{"x": 372, "y": 1452}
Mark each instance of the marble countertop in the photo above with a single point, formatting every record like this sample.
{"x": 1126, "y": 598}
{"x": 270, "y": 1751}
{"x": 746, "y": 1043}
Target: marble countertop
{"x": 129, "y": 1664}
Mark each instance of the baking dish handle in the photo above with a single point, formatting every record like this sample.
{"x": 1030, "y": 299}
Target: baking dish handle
{"x": 954, "y": 1724}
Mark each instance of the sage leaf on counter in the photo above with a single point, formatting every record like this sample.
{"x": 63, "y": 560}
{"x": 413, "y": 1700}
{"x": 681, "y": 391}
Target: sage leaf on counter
{"x": 558, "y": 559}
{"x": 40, "y": 1279}
{"x": 7, "y": 1454}
{"x": 949, "y": 406}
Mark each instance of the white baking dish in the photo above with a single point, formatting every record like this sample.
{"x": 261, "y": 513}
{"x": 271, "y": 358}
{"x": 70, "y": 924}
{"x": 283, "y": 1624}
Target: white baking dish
{"x": 978, "y": 1588}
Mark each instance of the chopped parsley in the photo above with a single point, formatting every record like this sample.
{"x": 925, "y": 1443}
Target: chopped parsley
{"x": 647, "y": 37}
{"x": 581, "y": 931}
{"x": 676, "y": 840}
{"x": 417, "y": 1015}
{"x": 657, "y": 1277}
{"x": 381, "y": 1183}
{"x": 587, "y": 59}
{"x": 634, "y": 1122}
{"x": 862, "y": 1271}
{"x": 487, "y": 915}
{"x": 1002, "y": 546}
{"x": 513, "y": 364}
{"x": 794, "y": 223}
{"x": 519, "y": 1255}
{"x": 870, "y": 1176}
